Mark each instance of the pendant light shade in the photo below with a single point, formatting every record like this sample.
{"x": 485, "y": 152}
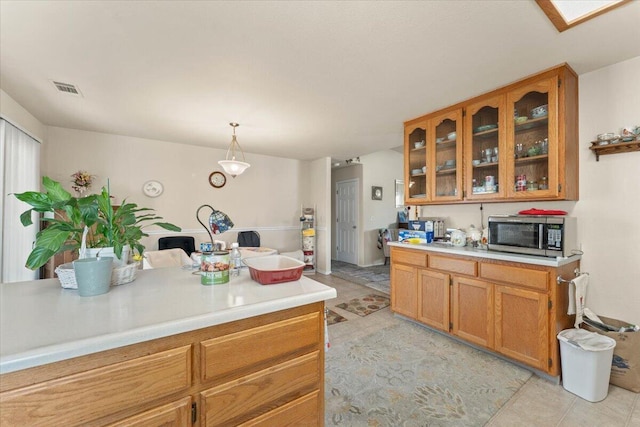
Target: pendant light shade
{"x": 230, "y": 165}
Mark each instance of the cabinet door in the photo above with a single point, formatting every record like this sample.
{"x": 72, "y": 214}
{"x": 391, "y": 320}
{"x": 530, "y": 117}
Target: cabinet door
{"x": 473, "y": 311}
{"x": 433, "y": 299}
{"x": 532, "y": 137}
{"x": 522, "y": 330}
{"x": 444, "y": 162}
{"x": 485, "y": 150}
{"x": 415, "y": 163}
{"x": 404, "y": 290}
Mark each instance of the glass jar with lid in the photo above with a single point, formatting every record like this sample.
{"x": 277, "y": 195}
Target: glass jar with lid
{"x": 532, "y": 185}
{"x": 544, "y": 183}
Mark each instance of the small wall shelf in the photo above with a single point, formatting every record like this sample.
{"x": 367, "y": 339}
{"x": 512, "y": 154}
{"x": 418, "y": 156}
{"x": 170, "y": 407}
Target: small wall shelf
{"x": 615, "y": 148}
{"x": 308, "y": 237}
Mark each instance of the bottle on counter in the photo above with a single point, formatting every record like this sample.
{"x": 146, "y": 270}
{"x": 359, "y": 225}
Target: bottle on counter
{"x": 235, "y": 260}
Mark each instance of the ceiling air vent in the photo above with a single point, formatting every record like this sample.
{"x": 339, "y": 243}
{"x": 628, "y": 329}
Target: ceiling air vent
{"x": 67, "y": 88}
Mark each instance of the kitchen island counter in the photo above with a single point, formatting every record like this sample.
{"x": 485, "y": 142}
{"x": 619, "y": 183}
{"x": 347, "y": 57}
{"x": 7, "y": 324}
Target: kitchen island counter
{"x": 42, "y": 323}
{"x": 483, "y": 253}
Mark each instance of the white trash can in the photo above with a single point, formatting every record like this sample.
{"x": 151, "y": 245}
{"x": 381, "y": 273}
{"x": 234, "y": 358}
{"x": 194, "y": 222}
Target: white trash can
{"x": 586, "y": 363}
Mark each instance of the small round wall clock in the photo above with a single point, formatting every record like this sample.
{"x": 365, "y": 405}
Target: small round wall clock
{"x": 217, "y": 179}
{"x": 152, "y": 188}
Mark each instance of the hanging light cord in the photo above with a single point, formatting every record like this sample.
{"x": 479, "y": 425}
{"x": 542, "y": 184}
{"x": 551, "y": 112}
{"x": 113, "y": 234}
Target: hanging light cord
{"x": 234, "y": 143}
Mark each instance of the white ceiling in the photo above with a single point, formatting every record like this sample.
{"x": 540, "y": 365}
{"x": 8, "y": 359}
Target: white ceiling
{"x": 304, "y": 79}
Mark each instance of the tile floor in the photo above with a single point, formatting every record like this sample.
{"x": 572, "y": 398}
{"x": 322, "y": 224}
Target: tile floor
{"x": 538, "y": 403}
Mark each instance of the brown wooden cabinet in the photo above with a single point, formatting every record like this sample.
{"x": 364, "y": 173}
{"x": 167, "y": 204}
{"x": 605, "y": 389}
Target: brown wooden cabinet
{"x": 473, "y": 318}
{"x": 525, "y": 131}
{"x": 522, "y": 330}
{"x": 209, "y": 377}
{"x": 433, "y": 299}
{"x": 404, "y": 272}
{"x": 514, "y": 309}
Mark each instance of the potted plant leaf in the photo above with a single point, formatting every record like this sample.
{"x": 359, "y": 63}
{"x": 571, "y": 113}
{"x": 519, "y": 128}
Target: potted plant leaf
{"x": 108, "y": 227}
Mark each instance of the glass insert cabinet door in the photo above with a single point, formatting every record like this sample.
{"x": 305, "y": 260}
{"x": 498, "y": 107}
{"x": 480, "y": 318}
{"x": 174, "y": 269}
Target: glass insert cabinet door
{"x": 416, "y": 163}
{"x": 532, "y": 134}
{"x": 485, "y": 147}
{"x": 445, "y": 160}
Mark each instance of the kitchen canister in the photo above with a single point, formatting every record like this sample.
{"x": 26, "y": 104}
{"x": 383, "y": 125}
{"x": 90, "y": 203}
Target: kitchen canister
{"x": 93, "y": 275}
{"x": 489, "y": 182}
{"x": 308, "y": 243}
{"x": 214, "y": 268}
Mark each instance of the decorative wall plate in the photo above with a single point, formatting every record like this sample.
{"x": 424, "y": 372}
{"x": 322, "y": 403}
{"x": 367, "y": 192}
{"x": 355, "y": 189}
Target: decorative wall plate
{"x": 152, "y": 188}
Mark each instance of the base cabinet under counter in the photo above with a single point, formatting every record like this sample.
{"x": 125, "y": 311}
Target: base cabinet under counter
{"x": 260, "y": 371}
{"x": 512, "y": 308}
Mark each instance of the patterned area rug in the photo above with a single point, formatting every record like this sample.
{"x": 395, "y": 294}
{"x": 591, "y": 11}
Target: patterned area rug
{"x": 333, "y": 318}
{"x": 365, "y": 305}
{"x": 375, "y": 277}
{"x": 408, "y": 376}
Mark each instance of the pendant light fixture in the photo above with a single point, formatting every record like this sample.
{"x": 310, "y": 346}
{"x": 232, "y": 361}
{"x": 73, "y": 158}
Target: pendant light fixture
{"x": 230, "y": 165}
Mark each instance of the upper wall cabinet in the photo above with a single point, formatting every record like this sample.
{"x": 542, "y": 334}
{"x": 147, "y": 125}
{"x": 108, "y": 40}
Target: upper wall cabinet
{"x": 516, "y": 143}
{"x": 415, "y": 162}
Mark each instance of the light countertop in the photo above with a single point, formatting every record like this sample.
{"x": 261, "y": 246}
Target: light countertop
{"x": 40, "y": 322}
{"x": 483, "y": 253}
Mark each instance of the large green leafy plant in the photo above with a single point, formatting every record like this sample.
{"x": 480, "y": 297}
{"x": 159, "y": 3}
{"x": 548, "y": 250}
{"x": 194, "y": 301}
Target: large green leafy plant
{"x": 107, "y": 227}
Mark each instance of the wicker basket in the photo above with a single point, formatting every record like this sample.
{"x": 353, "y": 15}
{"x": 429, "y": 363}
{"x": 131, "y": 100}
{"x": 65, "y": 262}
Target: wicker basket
{"x": 119, "y": 275}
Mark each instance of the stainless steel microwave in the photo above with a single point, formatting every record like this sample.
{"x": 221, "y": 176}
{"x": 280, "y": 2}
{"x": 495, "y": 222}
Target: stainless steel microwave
{"x": 550, "y": 236}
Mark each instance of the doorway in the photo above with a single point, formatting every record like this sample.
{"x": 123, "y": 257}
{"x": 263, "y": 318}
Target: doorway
{"x": 347, "y": 221}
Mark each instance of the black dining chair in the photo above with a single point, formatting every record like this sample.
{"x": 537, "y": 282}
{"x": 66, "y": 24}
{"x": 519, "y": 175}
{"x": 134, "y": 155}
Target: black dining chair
{"x": 186, "y": 243}
{"x": 249, "y": 239}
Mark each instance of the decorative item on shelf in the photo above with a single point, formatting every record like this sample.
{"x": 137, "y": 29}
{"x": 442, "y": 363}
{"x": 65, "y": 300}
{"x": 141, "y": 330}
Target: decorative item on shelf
{"x": 230, "y": 165}
{"x": 376, "y": 192}
{"x": 90, "y": 221}
{"x": 539, "y": 112}
{"x": 82, "y": 181}
{"x": 474, "y": 236}
{"x": 355, "y": 159}
{"x": 458, "y": 238}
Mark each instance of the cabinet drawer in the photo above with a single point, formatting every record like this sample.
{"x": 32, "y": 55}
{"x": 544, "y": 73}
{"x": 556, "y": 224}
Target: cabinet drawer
{"x": 416, "y": 257}
{"x": 175, "y": 414}
{"x": 453, "y": 265}
{"x": 535, "y": 279}
{"x": 258, "y": 347}
{"x": 254, "y": 394}
{"x": 301, "y": 412}
{"x": 86, "y": 396}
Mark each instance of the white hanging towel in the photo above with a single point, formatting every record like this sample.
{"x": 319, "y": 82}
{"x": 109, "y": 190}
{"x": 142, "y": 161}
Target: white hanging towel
{"x": 580, "y": 284}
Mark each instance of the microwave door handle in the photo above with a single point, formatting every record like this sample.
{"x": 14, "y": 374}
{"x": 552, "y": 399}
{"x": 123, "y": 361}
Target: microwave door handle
{"x": 540, "y": 235}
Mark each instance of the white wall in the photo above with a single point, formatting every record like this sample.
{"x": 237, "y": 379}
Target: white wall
{"x": 607, "y": 212}
{"x": 381, "y": 169}
{"x": 14, "y": 113}
{"x": 266, "y": 198}
{"x": 319, "y": 195}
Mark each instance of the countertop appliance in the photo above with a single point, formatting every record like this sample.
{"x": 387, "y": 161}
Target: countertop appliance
{"x": 550, "y": 236}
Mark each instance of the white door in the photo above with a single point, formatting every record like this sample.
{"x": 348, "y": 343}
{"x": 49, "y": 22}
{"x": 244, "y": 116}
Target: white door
{"x": 347, "y": 221}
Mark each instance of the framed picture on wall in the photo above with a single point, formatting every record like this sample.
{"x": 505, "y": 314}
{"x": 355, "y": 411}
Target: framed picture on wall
{"x": 376, "y": 193}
